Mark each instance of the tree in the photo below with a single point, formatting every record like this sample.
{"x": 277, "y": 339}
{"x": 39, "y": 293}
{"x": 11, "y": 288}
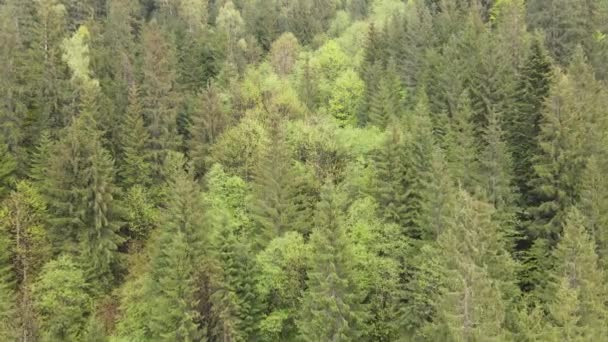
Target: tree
{"x": 387, "y": 103}
{"x": 460, "y": 145}
{"x": 237, "y": 305}
{"x": 331, "y": 305}
{"x": 61, "y": 300}
{"x": 135, "y": 165}
{"x": 523, "y": 126}
{"x": 279, "y": 200}
{"x": 84, "y": 212}
{"x": 577, "y": 307}
{"x": 594, "y": 204}
{"x": 209, "y": 120}
{"x": 345, "y": 99}
{"x": 23, "y": 225}
{"x": 8, "y": 167}
{"x": 479, "y": 274}
{"x": 567, "y": 140}
{"x": 158, "y": 96}
{"x": 283, "y": 53}
{"x": 8, "y": 300}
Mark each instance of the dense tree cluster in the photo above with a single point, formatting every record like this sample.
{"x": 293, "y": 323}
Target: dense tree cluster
{"x": 303, "y": 170}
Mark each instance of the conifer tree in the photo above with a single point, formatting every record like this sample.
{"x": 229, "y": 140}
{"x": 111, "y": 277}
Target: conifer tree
{"x": 171, "y": 290}
{"x": 8, "y": 166}
{"x": 460, "y": 147}
{"x": 522, "y": 127}
{"x": 81, "y": 196}
{"x": 479, "y": 273}
{"x": 578, "y": 304}
{"x": 134, "y": 167}
{"x": 23, "y": 224}
{"x": 567, "y": 140}
{"x": 158, "y": 96}
{"x": 386, "y": 103}
{"x": 62, "y": 300}
{"x": 8, "y": 300}
{"x": 594, "y": 204}
{"x": 209, "y": 120}
{"x": 280, "y": 200}
{"x": 331, "y": 305}
{"x": 237, "y": 305}
{"x": 495, "y": 168}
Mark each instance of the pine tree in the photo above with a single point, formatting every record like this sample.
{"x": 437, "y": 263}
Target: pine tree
{"x": 331, "y": 305}
{"x": 460, "y": 141}
{"x": 23, "y": 224}
{"x": 180, "y": 248}
{"x": 134, "y": 167}
{"x": 495, "y": 168}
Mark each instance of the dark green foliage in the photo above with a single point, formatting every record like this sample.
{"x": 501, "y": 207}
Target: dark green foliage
{"x": 523, "y": 125}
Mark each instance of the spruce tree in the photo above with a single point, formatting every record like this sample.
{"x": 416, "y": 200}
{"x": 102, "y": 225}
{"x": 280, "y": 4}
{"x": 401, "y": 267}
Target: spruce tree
{"x": 578, "y": 305}
{"x": 84, "y": 213}
{"x": 479, "y": 274}
{"x": 522, "y": 127}
{"x": 460, "y": 145}
{"x": 386, "y": 103}
{"x": 209, "y": 120}
{"x": 594, "y": 204}
{"x": 331, "y": 307}
{"x": 134, "y": 167}
{"x": 8, "y": 167}
{"x": 8, "y": 296}
{"x": 159, "y": 98}
{"x": 237, "y": 305}
{"x": 62, "y": 300}
{"x": 280, "y": 201}
{"x": 567, "y": 140}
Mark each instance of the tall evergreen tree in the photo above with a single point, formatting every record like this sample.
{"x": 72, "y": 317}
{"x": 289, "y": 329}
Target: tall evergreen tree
{"x": 159, "y": 99}
{"x": 134, "y": 167}
{"x": 8, "y": 166}
{"x": 522, "y": 127}
{"x": 331, "y": 306}
{"x": 578, "y": 305}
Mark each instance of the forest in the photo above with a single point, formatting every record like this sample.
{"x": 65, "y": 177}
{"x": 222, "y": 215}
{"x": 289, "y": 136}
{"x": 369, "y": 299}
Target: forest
{"x": 303, "y": 170}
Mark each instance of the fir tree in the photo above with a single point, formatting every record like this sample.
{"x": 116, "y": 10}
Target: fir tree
{"x": 8, "y": 300}
{"x": 386, "y": 103}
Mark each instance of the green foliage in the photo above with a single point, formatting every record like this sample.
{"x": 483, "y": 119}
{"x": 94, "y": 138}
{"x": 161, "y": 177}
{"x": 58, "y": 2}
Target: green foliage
{"x": 8, "y": 167}
{"x": 61, "y": 300}
{"x": 331, "y": 305}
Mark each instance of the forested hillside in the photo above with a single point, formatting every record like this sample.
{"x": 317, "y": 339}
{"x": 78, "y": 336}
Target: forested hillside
{"x": 303, "y": 170}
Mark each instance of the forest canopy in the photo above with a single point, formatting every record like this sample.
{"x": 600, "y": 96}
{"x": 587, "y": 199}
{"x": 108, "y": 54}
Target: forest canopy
{"x": 303, "y": 170}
